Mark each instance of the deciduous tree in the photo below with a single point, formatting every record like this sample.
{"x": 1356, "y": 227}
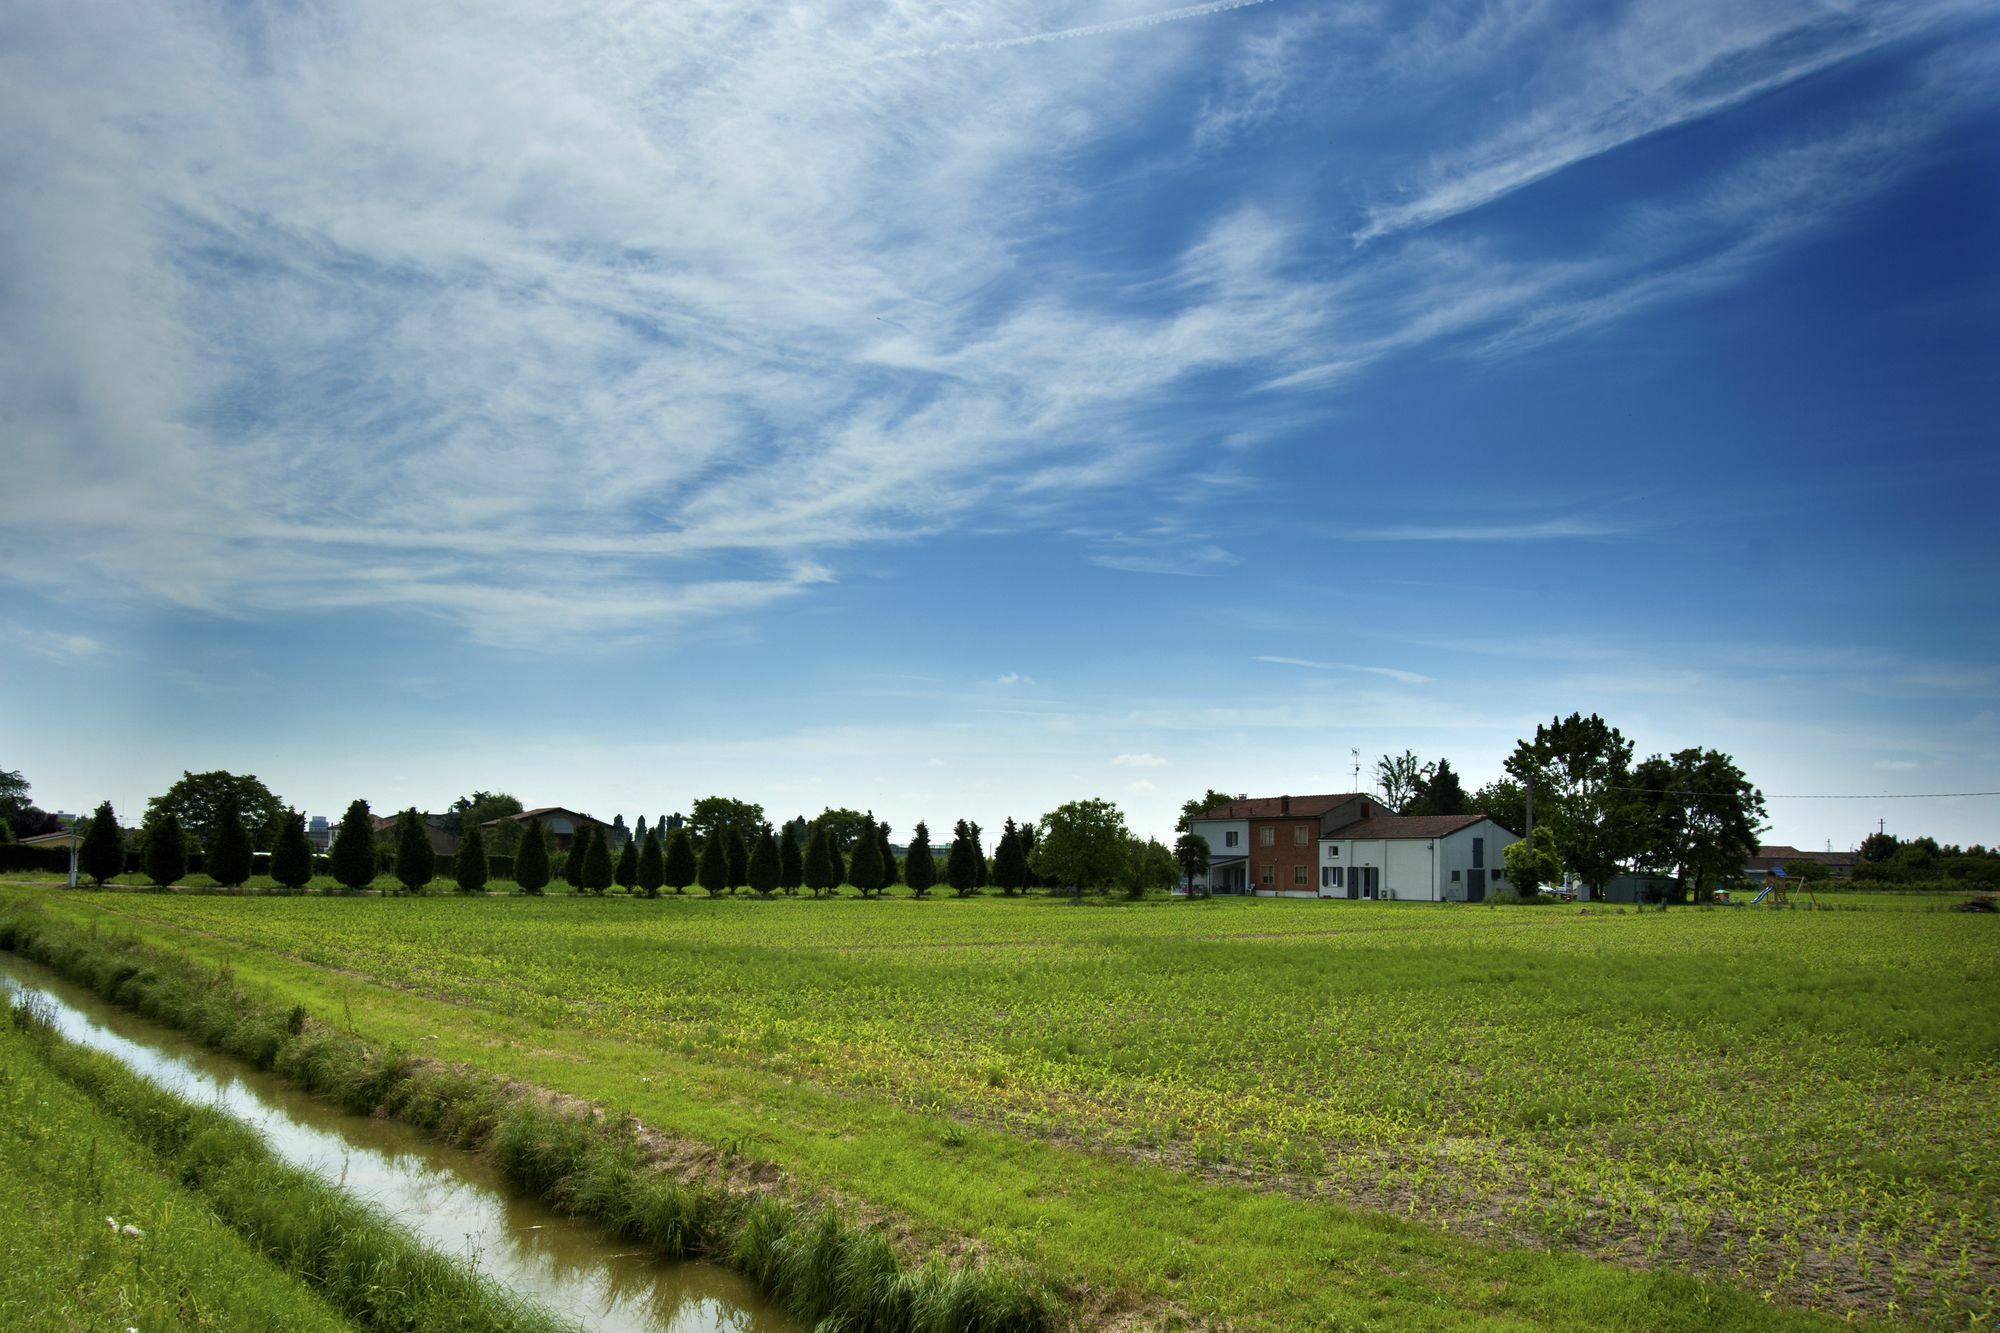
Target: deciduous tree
{"x": 1700, "y": 818}
{"x": 1401, "y": 777}
{"x": 720, "y": 814}
{"x": 196, "y": 803}
{"x": 1081, "y": 845}
{"x": 1581, "y": 768}
{"x": 1191, "y": 855}
{"x": 1191, "y": 810}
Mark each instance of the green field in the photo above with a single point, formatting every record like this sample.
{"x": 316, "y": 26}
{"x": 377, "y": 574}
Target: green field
{"x": 1214, "y": 1110}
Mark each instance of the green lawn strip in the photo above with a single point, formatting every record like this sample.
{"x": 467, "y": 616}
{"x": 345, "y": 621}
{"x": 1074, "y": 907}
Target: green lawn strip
{"x": 65, "y": 1168}
{"x": 355, "y": 1258}
{"x": 1146, "y": 1241}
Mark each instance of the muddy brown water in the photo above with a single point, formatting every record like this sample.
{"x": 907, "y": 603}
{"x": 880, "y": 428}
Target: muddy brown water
{"x": 456, "y": 1201}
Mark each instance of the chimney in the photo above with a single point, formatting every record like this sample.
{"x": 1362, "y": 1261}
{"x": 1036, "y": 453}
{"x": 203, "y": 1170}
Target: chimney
{"x": 1284, "y": 805}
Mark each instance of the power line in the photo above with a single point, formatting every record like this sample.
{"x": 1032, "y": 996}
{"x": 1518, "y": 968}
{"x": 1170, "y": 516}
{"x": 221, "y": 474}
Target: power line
{"x": 1883, "y": 796}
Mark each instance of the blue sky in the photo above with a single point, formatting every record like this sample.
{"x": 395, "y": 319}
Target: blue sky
{"x": 955, "y": 410}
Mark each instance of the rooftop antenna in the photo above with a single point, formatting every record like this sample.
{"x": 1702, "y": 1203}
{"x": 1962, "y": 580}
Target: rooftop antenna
{"x": 1357, "y": 768}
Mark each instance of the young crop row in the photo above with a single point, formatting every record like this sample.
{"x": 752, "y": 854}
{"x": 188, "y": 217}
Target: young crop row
{"x": 1797, "y": 1101}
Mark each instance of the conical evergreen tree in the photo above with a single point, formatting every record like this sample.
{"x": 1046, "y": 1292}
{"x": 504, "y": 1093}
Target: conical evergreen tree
{"x": 531, "y": 860}
{"x": 572, "y": 866}
{"x": 229, "y": 855}
{"x": 652, "y": 865}
{"x": 680, "y": 863}
{"x": 1010, "y": 863}
{"x": 920, "y": 868}
{"x": 291, "y": 854}
{"x": 791, "y": 861}
{"x": 739, "y": 860}
{"x": 891, "y": 872}
{"x": 763, "y": 874}
{"x": 864, "y": 867}
{"x": 354, "y": 849}
{"x": 819, "y": 862}
{"x": 166, "y": 852}
{"x": 619, "y": 835}
{"x": 102, "y": 855}
{"x": 597, "y": 868}
{"x": 713, "y": 872}
{"x": 469, "y": 869}
{"x": 627, "y": 873}
{"x": 961, "y": 869}
{"x": 982, "y": 873}
{"x": 837, "y": 864}
{"x": 416, "y": 859}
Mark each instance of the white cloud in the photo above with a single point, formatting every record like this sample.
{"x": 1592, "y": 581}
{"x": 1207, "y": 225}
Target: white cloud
{"x": 1896, "y": 765}
{"x": 1140, "y": 786}
{"x": 55, "y": 644}
{"x": 1140, "y": 761}
{"x": 1393, "y": 673}
{"x": 1014, "y": 678}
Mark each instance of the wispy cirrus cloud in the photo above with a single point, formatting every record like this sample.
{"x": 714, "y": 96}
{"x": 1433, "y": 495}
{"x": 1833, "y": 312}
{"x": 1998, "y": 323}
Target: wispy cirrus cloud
{"x": 1311, "y": 664}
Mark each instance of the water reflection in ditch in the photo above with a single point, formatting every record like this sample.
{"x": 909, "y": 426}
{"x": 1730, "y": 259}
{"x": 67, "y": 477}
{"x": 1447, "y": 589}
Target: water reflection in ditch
{"x": 454, "y": 1200}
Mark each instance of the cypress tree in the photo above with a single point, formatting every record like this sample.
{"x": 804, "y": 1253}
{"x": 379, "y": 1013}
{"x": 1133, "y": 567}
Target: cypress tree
{"x": 469, "y": 868}
{"x": 229, "y": 854}
{"x": 291, "y": 854}
{"x": 166, "y": 852}
{"x": 681, "y": 869}
{"x": 920, "y": 871}
{"x": 1010, "y": 862}
{"x": 836, "y": 863}
{"x": 572, "y": 866}
{"x": 354, "y": 849}
{"x": 791, "y": 861}
{"x": 739, "y": 860}
{"x": 818, "y": 864}
{"x": 714, "y": 869}
{"x": 864, "y": 868}
{"x": 627, "y": 873}
{"x": 102, "y": 855}
{"x": 531, "y": 860}
{"x": 597, "y": 869}
{"x": 982, "y": 873}
{"x": 764, "y": 864}
{"x": 416, "y": 859}
{"x": 652, "y": 865}
{"x": 891, "y": 872}
{"x": 960, "y": 868}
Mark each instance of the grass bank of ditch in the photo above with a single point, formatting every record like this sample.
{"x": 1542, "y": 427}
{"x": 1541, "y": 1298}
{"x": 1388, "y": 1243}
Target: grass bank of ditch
{"x": 824, "y": 1269}
{"x": 1106, "y": 1240}
{"x": 150, "y": 1211}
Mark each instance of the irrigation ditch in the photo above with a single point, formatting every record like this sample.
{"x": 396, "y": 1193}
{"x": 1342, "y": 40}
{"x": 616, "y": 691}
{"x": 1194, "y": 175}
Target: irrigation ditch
{"x": 551, "y": 1199}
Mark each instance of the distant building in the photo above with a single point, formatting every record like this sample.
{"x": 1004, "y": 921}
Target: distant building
{"x": 319, "y": 833}
{"x": 1838, "y": 865}
{"x": 443, "y": 841}
{"x": 1348, "y": 845}
{"x": 559, "y": 824}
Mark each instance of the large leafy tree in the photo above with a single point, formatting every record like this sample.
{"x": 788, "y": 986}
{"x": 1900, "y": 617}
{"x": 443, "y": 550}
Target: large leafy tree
{"x": 864, "y": 867}
{"x": 197, "y": 802}
{"x": 102, "y": 855}
{"x": 228, "y": 862}
{"x": 791, "y": 858}
{"x": 14, "y": 791}
{"x": 292, "y": 854}
{"x": 1530, "y": 872}
{"x": 845, "y": 827}
{"x": 1505, "y": 802}
{"x": 1148, "y": 865}
{"x": 920, "y": 867}
{"x": 681, "y": 869}
{"x": 1701, "y": 817}
{"x": 483, "y": 807}
{"x": 764, "y": 867}
{"x": 652, "y": 864}
{"x": 714, "y": 815}
{"x": 1440, "y": 793}
{"x": 416, "y": 859}
{"x": 353, "y": 853}
{"x": 165, "y": 856}
{"x": 531, "y": 861}
{"x": 1191, "y": 810}
{"x": 1401, "y": 777}
{"x": 1081, "y": 845}
{"x": 1191, "y": 855}
{"x": 1581, "y": 769}
{"x": 469, "y": 868}
{"x": 1010, "y": 862}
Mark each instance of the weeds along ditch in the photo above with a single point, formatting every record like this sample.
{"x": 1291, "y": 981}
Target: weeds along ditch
{"x": 1797, "y": 1103}
{"x": 823, "y": 1269}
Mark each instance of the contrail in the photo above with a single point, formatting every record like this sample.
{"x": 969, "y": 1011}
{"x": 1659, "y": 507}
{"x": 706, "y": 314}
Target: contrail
{"x": 1088, "y": 30}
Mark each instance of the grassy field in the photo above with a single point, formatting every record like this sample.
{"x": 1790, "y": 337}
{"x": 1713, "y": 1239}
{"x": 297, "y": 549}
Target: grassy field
{"x": 1214, "y": 1110}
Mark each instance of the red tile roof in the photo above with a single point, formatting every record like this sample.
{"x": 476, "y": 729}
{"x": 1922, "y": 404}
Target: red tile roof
{"x": 1272, "y": 807}
{"x": 1406, "y": 826}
